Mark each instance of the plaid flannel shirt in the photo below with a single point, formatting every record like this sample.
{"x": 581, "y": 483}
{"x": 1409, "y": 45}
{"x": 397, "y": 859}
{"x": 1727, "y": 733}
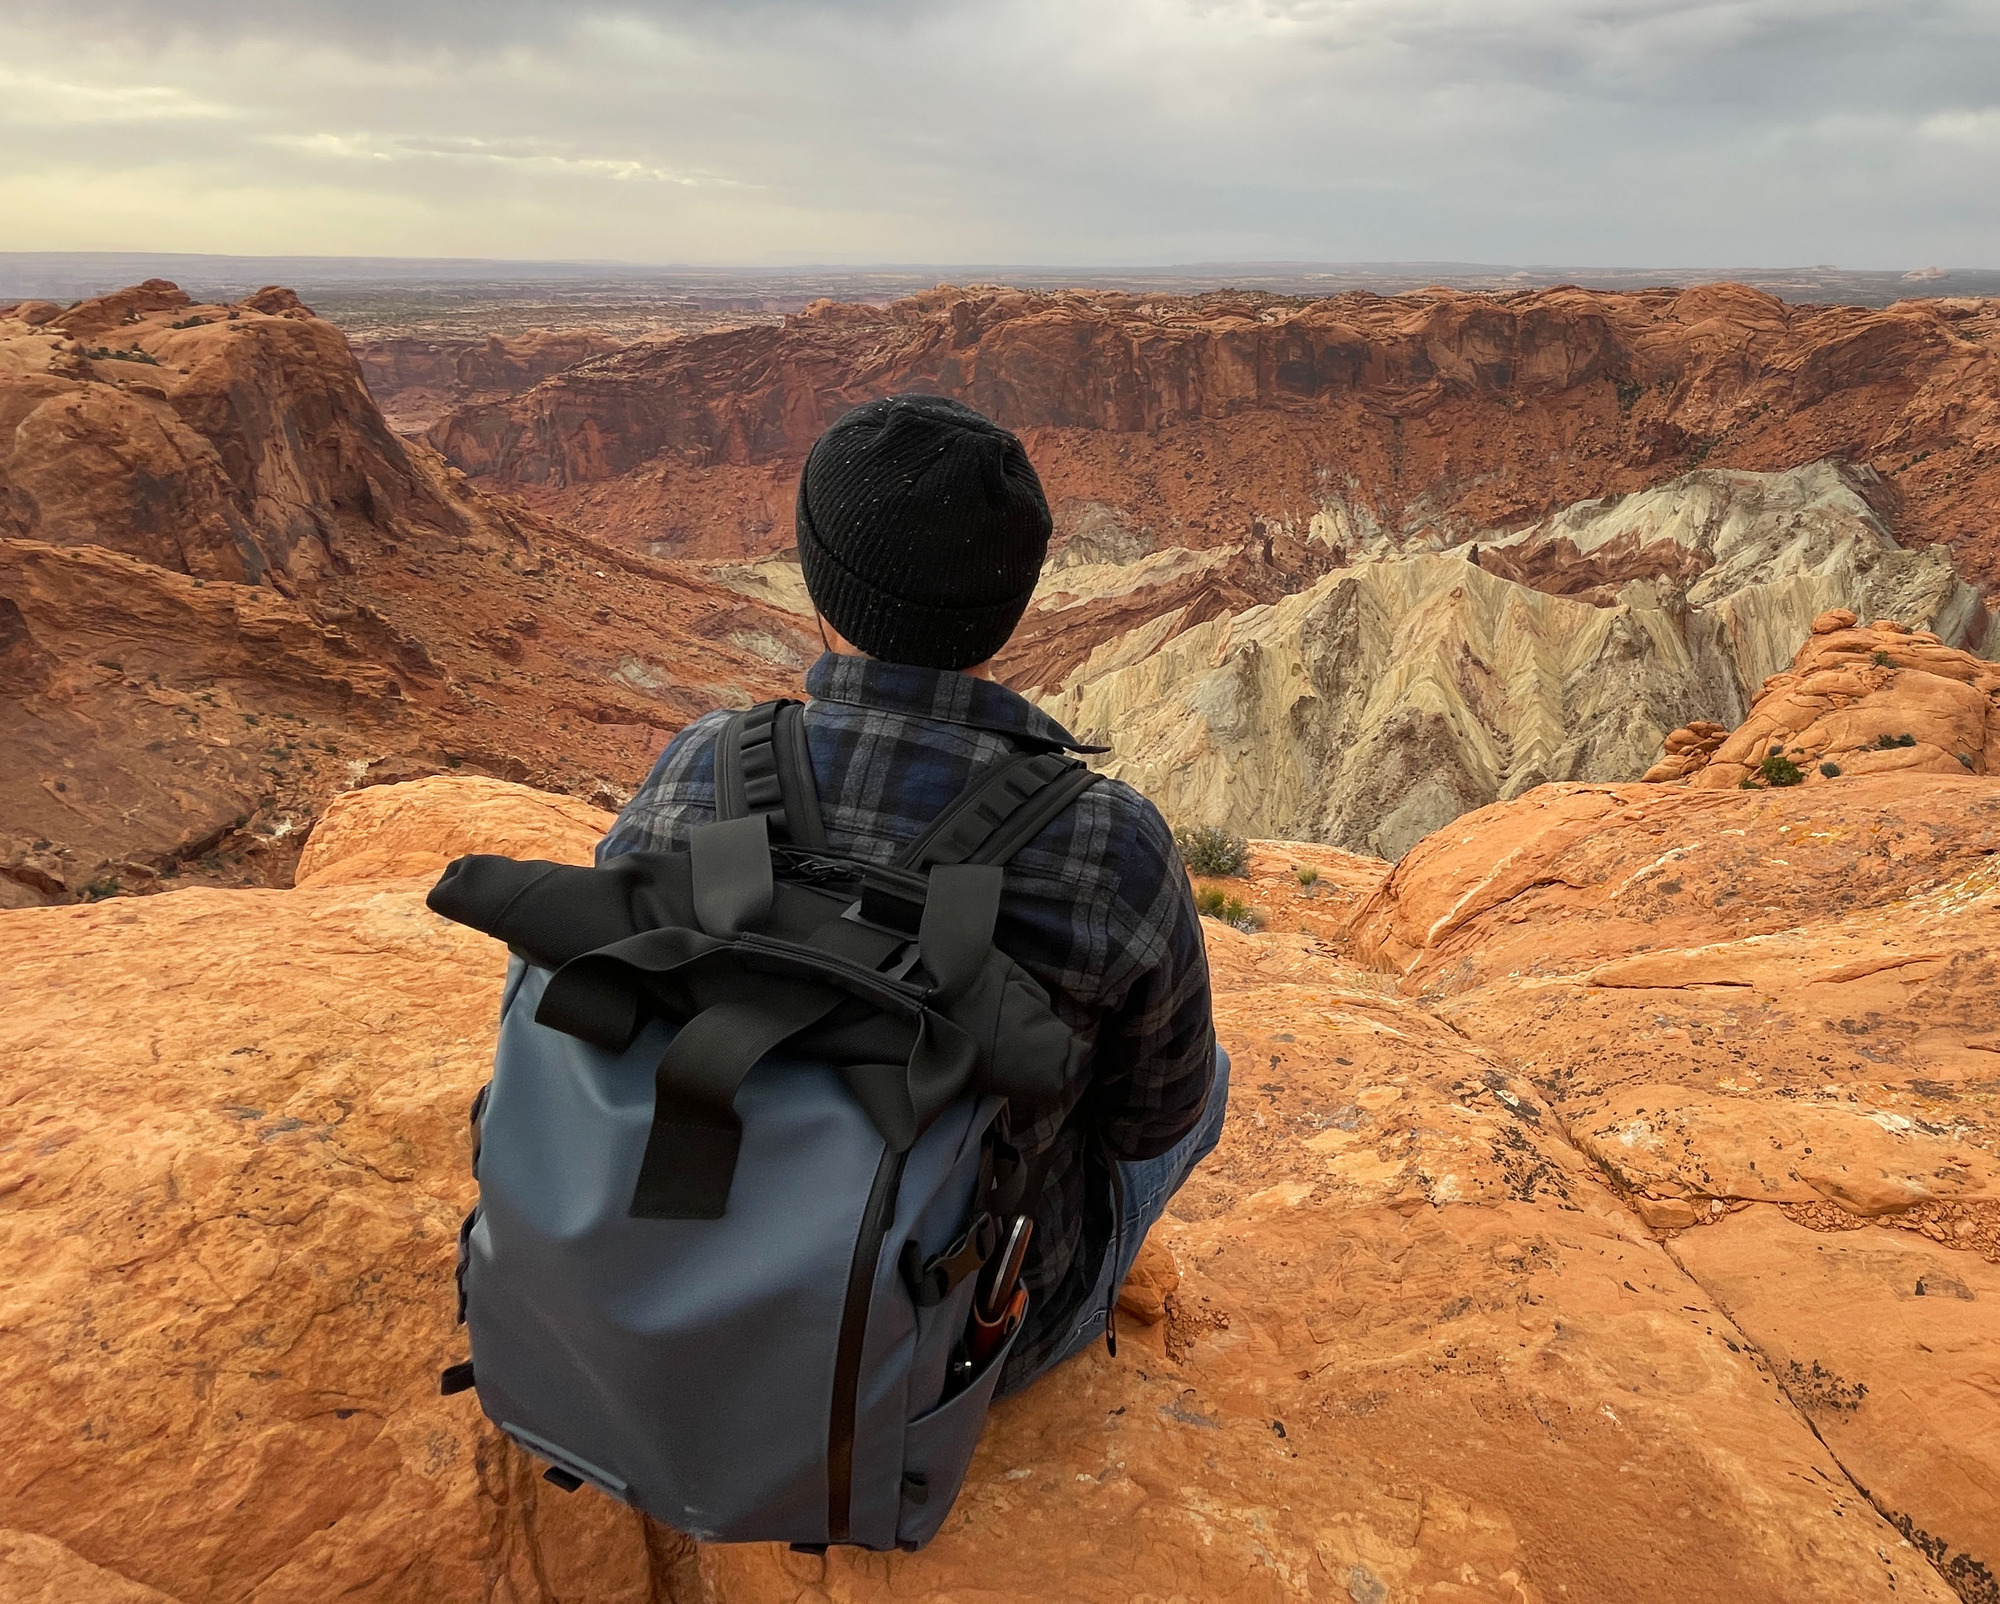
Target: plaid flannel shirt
{"x": 1097, "y": 908}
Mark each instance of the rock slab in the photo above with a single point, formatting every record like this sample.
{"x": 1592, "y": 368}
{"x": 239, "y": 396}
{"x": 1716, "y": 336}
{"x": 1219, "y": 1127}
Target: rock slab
{"x": 1417, "y": 1344}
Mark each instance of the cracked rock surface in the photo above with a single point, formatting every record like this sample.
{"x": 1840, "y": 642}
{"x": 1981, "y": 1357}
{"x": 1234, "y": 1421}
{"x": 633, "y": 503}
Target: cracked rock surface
{"x": 1435, "y": 1335}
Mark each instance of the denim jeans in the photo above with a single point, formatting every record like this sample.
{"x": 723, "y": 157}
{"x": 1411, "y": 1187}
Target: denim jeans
{"x": 1146, "y": 1186}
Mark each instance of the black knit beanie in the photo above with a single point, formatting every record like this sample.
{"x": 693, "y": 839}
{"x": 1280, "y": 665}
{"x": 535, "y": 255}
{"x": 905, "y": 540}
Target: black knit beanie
{"x": 922, "y": 529}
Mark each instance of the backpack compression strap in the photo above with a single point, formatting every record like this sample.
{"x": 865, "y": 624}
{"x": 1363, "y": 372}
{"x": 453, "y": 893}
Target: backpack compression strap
{"x": 762, "y": 766}
{"x": 1001, "y": 810}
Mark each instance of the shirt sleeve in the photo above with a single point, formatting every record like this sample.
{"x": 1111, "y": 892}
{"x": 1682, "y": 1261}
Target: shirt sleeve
{"x": 1155, "y": 1057}
{"x": 677, "y": 795}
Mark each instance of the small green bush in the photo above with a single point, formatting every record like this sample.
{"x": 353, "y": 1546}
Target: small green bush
{"x": 1777, "y": 769}
{"x": 1965, "y": 758}
{"x": 106, "y": 354}
{"x": 1830, "y": 770}
{"x": 1906, "y": 739}
{"x": 1306, "y": 874}
{"x": 1212, "y": 902}
{"x": 1208, "y": 849}
{"x": 1883, "y": 660}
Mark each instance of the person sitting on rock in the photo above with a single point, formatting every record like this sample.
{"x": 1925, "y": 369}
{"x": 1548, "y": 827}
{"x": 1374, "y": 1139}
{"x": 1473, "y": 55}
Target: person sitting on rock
{"x": 922, "y": 529}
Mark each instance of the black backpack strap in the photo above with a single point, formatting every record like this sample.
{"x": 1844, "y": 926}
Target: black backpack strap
{"x": 762, "y": 765}
{"x": 1000, "y": 811}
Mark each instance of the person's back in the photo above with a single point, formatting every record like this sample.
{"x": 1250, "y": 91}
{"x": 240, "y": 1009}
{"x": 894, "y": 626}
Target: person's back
{"x": 922, "y": 530}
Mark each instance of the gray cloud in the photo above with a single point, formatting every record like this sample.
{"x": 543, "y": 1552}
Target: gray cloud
{"x": 1607, "y": 132}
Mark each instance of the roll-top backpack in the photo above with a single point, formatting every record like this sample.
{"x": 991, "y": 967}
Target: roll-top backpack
{"x": 742, "y": 1162}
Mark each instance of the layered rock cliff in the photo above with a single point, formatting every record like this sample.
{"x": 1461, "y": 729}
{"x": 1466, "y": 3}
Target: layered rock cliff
{"x": 416, "y": 379}
{"x": 1609, "y": 1206}
{"x": 1399, "y": 691}
{"x": 228, "y": 591}
{"x": 1225, "y": 418}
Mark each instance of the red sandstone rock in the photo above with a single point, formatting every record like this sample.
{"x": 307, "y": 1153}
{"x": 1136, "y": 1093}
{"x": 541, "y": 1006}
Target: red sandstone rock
{"x": 228, "y": 592}
{"x": 417, "y": 380}
{"x": 1419, "y": 1346}
{"x": 1804, "y": 1105}
{"x": 412, "y": 830}
{"x": 1569, "y": 876}
{"x": 1862, "y": 701}
{"x": 33, "y": 313}
{"x": 1211, "y": 418}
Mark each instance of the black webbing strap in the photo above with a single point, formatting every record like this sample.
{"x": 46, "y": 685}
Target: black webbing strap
{"x": 729, "y": 863}
{"x": 691, "y": 1149}
{"x": 762, "y": 766}
{"x": 692, "y": 1145}
{"x": 1034, "y": 815}
{"x": 956, "y": 930}
{"x": 1000, "y": 811}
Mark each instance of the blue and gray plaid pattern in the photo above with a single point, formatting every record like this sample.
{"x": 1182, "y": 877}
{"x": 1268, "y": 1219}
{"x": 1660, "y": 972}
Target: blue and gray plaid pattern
{"x": 1097, "y": 909}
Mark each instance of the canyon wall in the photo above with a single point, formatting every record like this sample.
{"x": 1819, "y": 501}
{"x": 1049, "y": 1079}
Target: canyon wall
{"x": 228, "y": 591}
{"x": 1227, "y": 418}
{"x": 1398, "y": 692}
{"x": 416, "y": 379}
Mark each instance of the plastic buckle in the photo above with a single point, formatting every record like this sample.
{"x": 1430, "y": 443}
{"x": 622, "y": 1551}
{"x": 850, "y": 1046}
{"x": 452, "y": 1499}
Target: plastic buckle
{"x": 933, "y": 1280}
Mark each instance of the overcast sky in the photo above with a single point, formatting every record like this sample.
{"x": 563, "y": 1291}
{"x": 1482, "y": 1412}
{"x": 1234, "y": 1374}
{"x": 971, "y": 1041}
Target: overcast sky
{"x": 1606, "y": 133}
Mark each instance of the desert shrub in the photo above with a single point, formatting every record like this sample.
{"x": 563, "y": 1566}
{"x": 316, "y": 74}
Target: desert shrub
{"x": 1965, "y": 758}
{"x": 1883, "y": 660}
{"x": 1306, "y": 874}
{"x": 1628, "y": 395}
{"x": 1830, "y": 770}
{"x": 1906, "y": 739}
{"x": 1777, "y": 769}
{"x": 190, "y": 323}
{"x": 1212, "y": 902}
{"x": 103, "y": 353}
{"x": 1211, "y": 850}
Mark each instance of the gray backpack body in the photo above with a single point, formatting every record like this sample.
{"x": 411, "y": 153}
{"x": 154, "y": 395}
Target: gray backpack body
{"x": 742, "y": 1160}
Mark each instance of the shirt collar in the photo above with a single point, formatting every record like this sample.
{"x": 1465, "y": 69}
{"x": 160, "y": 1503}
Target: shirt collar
{"x": 936, "y": 693}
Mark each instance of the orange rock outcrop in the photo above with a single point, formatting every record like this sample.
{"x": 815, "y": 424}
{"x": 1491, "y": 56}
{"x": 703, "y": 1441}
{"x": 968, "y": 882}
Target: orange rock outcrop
{"x": 1874, "y": 700}
{"x": 1609, "y": 1214}
{"x": 1766, "y": 1017}
{"x": 229, "y": 592}
{"x": 1226, "y": 418}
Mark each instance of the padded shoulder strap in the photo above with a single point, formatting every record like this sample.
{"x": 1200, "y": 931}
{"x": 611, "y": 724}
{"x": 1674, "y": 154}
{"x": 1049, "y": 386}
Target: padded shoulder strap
{"x": 762, "y": 766}
{"x": 1000, "y": 811}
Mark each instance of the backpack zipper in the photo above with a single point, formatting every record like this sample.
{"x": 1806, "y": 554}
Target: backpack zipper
{"x": 875, "y": 1222}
